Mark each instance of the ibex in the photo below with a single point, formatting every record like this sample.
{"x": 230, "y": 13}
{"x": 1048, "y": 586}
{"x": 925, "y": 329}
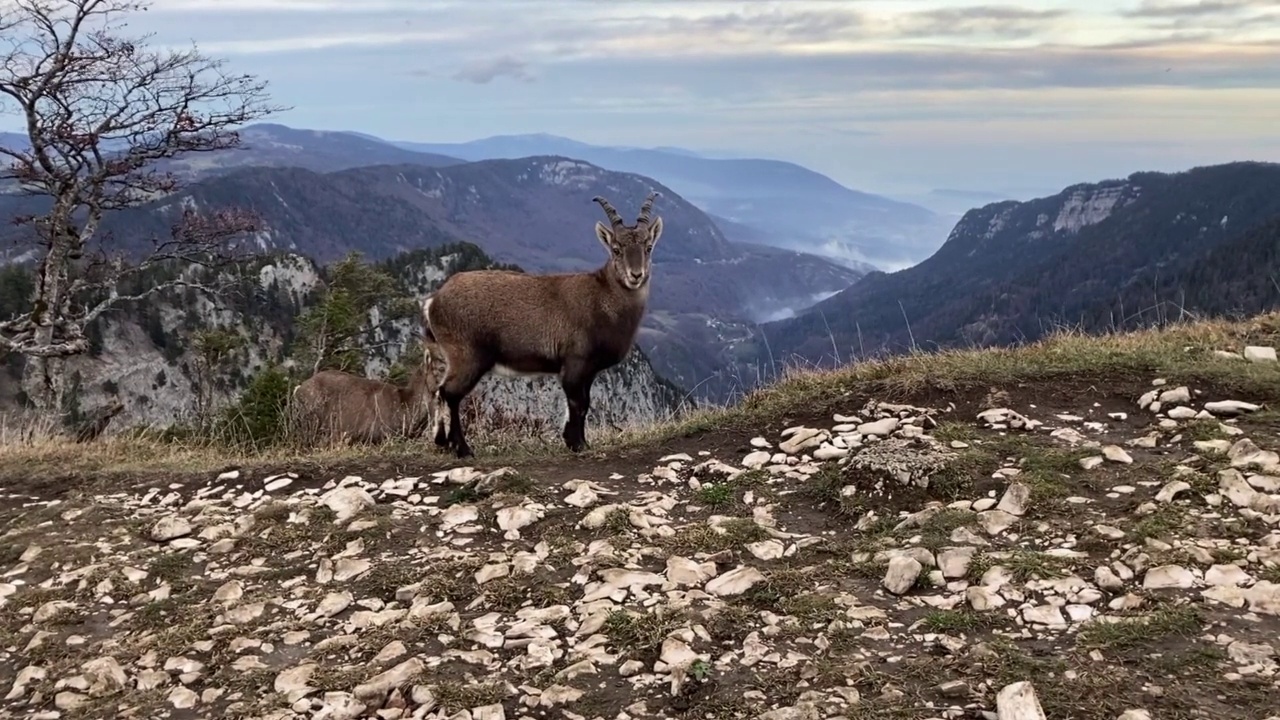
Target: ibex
{"x": 571, "y": 325}
{"x": 340, "y": 405}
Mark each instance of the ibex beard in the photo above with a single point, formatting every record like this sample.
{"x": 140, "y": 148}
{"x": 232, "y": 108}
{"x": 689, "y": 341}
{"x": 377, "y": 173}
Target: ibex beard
{"x": 569, "y": 325}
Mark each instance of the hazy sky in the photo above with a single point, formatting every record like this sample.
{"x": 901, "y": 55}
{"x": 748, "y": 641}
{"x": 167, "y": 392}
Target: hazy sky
{"x": 886, "y": 96}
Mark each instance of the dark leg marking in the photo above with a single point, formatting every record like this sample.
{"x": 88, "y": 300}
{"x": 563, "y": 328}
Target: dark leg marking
{"x": 576, "y": 383}
{"x": 459, "y": 380}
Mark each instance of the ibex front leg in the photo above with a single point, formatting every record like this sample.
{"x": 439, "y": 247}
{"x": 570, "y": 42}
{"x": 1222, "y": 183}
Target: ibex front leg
{"x": 576, "y": 381}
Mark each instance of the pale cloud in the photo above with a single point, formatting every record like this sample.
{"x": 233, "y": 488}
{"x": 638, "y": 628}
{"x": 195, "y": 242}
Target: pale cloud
{"x": 932, "y": 92}
{"x": 980, "y": 20}
{"x": 486, "y": 71}
{"x": 749, "y": 79}
{"x": 542, "y": 31}
{"x": 302, "y": 43}
{"x": 1239, "y": 20}
{"x": 1180, "y": 8}
{"x": 346, "y": 7}
{"x": 748, "y": 25}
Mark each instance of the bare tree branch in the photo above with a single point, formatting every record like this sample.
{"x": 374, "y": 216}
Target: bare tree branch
{"x": 103, "y": 113}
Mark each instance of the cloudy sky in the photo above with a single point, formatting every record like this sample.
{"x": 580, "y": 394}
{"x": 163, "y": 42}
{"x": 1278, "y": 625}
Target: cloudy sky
{"x": 888, "y": 96}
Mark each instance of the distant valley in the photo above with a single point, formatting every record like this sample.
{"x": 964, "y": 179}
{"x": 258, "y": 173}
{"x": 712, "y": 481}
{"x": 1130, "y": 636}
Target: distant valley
{"x": 955, "y": 203}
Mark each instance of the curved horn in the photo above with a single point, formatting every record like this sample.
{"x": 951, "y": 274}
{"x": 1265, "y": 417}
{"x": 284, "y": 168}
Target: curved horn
{"x": 614, "y": 218}
{"x": 646, "y": 207}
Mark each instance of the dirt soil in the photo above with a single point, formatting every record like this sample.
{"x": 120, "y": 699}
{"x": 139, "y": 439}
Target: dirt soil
{"x": 1118, "y": 559}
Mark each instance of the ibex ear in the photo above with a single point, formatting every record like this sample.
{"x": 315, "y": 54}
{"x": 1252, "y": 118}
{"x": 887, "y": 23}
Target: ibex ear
{"x": 604, "y": 235}
{"x": 655, "y": 231}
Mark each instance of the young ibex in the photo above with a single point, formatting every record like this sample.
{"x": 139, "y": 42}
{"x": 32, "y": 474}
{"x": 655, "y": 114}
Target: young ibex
{"x": 572, "y": 325}
{"x": 340, "y": 405}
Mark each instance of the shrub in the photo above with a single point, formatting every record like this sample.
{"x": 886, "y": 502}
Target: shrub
{"x": 258, "y": 419}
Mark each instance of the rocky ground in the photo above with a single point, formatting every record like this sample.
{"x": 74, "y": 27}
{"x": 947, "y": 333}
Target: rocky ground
{"x": 1100, "y": 554}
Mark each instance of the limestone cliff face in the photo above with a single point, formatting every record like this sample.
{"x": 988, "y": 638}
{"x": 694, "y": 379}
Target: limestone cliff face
{"x": 1062, "y": 216}
{"x": 145, "y": 356}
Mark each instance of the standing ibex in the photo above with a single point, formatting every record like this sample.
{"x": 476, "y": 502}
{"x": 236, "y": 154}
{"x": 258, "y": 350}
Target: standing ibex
{"x": 572, "y": 325}
{"x": 340, "y": 405}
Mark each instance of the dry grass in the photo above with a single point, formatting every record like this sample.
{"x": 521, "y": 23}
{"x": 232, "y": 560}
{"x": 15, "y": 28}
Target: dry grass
{"x": 35, "y": 446}
{"x": 1183, "y": 353}
{"x": 148, "y": 451}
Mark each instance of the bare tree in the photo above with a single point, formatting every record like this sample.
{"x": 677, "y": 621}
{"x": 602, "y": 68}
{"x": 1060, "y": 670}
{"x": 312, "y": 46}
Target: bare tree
{"x": 101, "y": 111}
{"x": 214, "y": 349}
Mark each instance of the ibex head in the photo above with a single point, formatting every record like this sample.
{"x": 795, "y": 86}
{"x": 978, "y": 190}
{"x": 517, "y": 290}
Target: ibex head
{"x": 630, "y": 246}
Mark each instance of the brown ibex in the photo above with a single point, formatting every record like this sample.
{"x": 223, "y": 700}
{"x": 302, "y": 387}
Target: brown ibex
{"x": 571, "y": 325}
{"x": 341, "y": 405}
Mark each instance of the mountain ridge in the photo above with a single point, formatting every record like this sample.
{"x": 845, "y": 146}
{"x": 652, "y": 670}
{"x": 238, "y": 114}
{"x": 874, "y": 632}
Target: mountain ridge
{"x": 805, "y": 210}
{"x": 535, "y": 212}
{"x": 785, "y": 204}
{"x": 1087, "y": 256}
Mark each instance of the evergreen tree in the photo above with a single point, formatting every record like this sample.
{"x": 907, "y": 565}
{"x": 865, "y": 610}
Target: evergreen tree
{"x": 342, "y": 328}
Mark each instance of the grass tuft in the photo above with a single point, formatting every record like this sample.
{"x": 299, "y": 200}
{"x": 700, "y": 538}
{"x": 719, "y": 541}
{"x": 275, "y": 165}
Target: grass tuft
{"x": 1141, "y": 631}
{"x": 954, "y": 622}
{"x": 640, "y": 634}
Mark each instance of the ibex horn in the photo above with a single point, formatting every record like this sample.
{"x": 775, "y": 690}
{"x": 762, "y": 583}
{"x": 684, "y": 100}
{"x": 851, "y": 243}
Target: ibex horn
{"x": 614, "y": 218}
{"x": 646, "y": 207}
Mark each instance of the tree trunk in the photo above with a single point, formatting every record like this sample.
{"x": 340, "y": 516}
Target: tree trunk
{"x": 44, "y": 378}
{"x": 44, "y": 382}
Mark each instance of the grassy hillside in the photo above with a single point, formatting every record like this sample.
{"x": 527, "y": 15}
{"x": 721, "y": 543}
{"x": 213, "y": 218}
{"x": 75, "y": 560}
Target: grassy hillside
{"x": 1125, "y": 362}
{"x": 904, "y": 539}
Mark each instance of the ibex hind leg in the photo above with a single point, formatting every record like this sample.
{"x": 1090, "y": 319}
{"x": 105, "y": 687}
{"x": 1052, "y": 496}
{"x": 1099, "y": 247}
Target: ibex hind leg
{"x": 456, "y": 438}
{"x": 441, "y": 411}
{"x": 459, "y": 380}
